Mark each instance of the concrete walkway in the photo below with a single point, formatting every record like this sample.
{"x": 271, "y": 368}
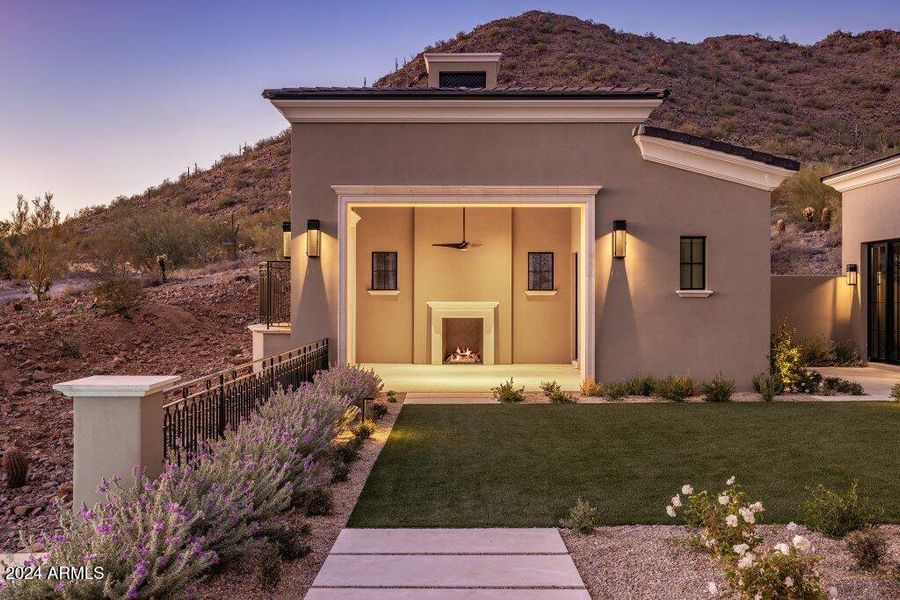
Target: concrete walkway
{"x": 472, "y": 378}
{"x": 876, "y": 379}
{"x": 448, "y": 564}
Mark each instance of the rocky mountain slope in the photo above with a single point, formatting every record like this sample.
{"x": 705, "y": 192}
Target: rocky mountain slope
{"x": 194, "y": 325}
{"x": 834, "y": 102}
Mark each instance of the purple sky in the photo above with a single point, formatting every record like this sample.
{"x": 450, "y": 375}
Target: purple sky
{"x": 99, "y": 99}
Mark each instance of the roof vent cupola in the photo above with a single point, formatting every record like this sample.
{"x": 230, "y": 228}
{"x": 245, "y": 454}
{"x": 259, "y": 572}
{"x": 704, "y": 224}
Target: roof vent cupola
{"x": 462, "y": 70}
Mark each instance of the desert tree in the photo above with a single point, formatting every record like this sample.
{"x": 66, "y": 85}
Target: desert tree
{"x": 37, "y": 247}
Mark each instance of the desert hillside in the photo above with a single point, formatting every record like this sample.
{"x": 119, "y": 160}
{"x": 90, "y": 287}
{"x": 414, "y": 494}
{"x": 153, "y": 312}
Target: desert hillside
{"x": 832, "y": 103}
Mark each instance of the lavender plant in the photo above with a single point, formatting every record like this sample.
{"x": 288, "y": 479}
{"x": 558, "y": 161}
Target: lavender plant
{"x": 348, "y": 380}
{"x": 157, "y": 537}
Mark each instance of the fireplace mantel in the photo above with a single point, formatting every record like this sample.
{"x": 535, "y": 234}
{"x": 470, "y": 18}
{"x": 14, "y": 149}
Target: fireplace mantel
{"x": 441, "y": 310}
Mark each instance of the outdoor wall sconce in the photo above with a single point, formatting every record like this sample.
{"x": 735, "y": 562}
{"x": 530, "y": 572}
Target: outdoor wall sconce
{"x": 851, "y": 274}
{"x": 286, "y": 239}
{"x": 618, "y": 239}
{"x": 313, "y": 238}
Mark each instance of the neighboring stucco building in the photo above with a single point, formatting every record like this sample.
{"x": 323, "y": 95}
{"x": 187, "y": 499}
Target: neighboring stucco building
{"x": 870, "y": 214}
{"x": 545, "y": 179}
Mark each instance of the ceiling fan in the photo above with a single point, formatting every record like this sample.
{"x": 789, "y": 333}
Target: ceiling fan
{"x": 462, "y": 245}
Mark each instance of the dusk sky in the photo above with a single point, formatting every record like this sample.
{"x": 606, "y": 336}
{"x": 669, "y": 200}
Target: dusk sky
{"x": 99, "y": 99}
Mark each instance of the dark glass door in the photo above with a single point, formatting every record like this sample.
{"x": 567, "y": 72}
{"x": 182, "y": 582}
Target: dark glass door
{"x": 884, "y": 301}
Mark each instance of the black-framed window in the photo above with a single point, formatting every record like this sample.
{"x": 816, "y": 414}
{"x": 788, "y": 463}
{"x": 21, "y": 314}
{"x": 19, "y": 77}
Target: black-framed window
{"x": 462, "y": 79}
{"x": 693, "y": 262}
{"x": 384, "y": 270}
{"x": 540, "y": 271}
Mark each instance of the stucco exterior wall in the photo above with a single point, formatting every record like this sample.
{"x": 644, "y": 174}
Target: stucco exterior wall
{"x": 542, "y": 330}
{"x": 868, "y": 214}
{"x": 642, "y": 325}
{"x": 384, "y": 324}
{"x": 816, "y": 306}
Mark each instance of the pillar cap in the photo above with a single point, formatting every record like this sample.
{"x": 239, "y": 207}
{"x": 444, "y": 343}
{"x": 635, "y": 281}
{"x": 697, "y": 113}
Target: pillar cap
{"x": 120, "y": 386}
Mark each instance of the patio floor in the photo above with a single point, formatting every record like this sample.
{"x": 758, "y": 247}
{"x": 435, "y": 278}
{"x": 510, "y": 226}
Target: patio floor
{"x": 876, "y": 379}
{"x": 472, "y": 378}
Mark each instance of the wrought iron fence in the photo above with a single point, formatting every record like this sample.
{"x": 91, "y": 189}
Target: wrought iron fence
{"x": 275, "y": 292}
{"x": 201, "y": 410}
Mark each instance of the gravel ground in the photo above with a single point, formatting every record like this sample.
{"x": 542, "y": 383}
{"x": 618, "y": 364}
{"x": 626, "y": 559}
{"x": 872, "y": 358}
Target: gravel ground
{"x": 246, "y": 579}
{"x": 655, "y": 561}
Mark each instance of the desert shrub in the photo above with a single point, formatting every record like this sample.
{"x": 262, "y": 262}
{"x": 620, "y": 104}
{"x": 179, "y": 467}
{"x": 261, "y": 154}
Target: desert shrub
{"x": 262, "y": 232}
{"x": 846, "y": 354}
{"x": 34, "y": 244}
{"x": 868, "y": 547}
{"x": 391, "y": 396}
{"x": 118, "y": 296}
{"x": 718, "y": 521}
{"x": 718, "y": 389}
{"x": 582, "y": 517}
{"x": 157, "y": 537}
{"x": 822, "y": 352}
{"x": 615, "y": 390}
{"x": 817, "y": 352}
{"x": 316, "y": 501}
{"x": 592, "y": 388}
{"x": 895, "y": 392}
{"x": 346, "y": 380}
{"x": 555, "y": 394}
{"x": 805, "y": 188}
{"x": 834, "y": 514}
{"x": 767, "y": 385}
{"x": 508, "y": 392}
{"x": 377, "y": 410}
{"x": 836, "y": 385}
{"x": 340, "y": 471}
{"x": 788, "y": 570}
{"x": 364, "y": 430}
{"x": 639, "y": 385}
{"x": 675, "y": 388}
{"x": 346, "y": 452}
{"x": 287, "y": 541}
{"x": 68, "y": 347}
{"x": 807, "y": 381}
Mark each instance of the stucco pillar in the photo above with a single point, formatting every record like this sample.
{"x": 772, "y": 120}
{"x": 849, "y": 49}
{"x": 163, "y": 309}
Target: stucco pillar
{"x": 117, "y": 426}
{"x": 269, "y": 341}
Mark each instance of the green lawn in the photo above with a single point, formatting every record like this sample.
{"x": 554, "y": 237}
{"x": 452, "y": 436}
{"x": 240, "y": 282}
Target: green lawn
{"x": 525, "y": 465}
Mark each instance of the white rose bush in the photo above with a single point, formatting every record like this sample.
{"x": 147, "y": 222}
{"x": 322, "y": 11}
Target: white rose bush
{"x": 724, "y": 525}
{"x": 159, "y": 536}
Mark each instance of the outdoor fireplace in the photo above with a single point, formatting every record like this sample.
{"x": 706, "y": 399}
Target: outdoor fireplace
{"x": 462, "y": 340}
{"x": 475, "y": 330}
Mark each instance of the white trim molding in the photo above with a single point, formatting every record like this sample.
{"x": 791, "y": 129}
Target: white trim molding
{"x": 460, "y": 57}
{"x": 541, "y": 292}
{"x": 462, "y": 310}
{"x": 694, "y": 293}
{"x": 603, "y": 110}
{"x": 865, "y": 175}
{"x": 712, "y": 163}
{"x": 383, "y": 292}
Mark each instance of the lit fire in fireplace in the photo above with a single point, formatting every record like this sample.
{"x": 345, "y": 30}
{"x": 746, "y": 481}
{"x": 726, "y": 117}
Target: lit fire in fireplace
{"x": 463, "y": 357}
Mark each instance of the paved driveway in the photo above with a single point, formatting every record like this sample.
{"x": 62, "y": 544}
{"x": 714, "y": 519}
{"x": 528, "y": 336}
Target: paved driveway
{"x": 876, "y": 380}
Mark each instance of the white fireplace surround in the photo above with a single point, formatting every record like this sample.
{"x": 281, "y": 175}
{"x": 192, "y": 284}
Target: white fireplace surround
{"x": 462, "y": 310}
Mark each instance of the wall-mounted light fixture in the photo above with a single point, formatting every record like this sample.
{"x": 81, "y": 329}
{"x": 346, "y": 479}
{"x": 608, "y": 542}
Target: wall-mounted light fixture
{"x": 286, "y": 239}
{"x": 618, "y": 239}
{"x": 313, "y": 238}
{"x": 852, "y": 274}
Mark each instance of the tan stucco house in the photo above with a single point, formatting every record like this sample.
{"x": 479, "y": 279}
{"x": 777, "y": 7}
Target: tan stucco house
{"x": 870, "y": 211}
{"x": 466, "y": 223}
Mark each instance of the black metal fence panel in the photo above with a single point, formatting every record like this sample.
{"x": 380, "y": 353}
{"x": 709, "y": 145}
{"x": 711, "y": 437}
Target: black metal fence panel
{"x": 203, "y": 409}
{"x": 275, "y": 292}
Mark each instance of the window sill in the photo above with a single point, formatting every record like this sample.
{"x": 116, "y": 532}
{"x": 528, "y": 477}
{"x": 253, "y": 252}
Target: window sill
{"x": 540, "y": 292}
{"x": 383, "y": 292}
{"x": 694, "y": 293}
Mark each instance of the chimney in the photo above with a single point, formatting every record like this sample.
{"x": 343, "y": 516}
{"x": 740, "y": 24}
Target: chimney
{"x": 462, "y": 70}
